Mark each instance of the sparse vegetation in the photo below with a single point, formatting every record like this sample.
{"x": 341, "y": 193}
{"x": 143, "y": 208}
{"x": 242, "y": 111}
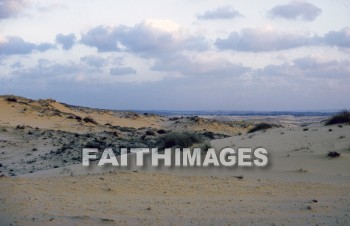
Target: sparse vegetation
{"x": 333, "y": 154}
{"x": 341, "y": 117}
{"x": 180, "y": 140}
{"x": 260, "y": 126}
{"x": 11, "y": 99}
{"x": 90, "y": 120}
{"x": 161, "y": 131}
{"x": 150, "y": 133}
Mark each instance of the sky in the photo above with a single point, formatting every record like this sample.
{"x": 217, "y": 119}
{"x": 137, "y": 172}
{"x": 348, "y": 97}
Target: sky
{"x": 178, "y": 54}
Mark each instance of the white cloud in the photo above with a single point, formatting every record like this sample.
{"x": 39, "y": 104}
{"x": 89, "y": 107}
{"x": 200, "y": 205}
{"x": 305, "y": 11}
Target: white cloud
{"x": 151, "y": 38}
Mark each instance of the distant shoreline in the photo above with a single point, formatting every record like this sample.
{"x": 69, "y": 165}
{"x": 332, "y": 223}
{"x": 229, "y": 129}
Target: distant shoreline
{"x": 236, "y": 113}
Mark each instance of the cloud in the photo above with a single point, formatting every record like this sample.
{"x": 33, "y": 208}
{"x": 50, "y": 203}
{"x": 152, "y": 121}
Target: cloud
{"x": 296, "y": 10}
{"x": 94, "y": 61}
{"x": 199, "y": 65}
{"x": 224, "y": 12}
{"x": 122, "y": 71}
{"x": 267, "y": 39}
{"x": 12, "y": 8}
{"x": 50, "y": 6}
{"x": 16, "y": 45}
{"x": 263, "y": 40}
{"x": 315, "y": 66}
{"x": 66, "y": 41}
{"x": 338, "y": 38}
{"x": 103, "y": 38}
{"x": 309, "y": 67}
{"x": 150, "y": 38}
{"x": 46, "y": 69}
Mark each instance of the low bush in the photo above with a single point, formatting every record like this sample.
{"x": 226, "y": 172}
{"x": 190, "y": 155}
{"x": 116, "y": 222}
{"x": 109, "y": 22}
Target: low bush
{"x": 260, "y": 126}
{"x": 333, "y": 154}
{"x": 341, "y": 117}
{"x": 179, "y": 140}
{"x": 11, "y": 99}
{"x": 90, "y": 120}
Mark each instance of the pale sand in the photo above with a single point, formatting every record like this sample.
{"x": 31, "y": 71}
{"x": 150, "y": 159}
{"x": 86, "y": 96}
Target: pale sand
{"x": 162, "y": 199}
{"x": 301, "y": 185}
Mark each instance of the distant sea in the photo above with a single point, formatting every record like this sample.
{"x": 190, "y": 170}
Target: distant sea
{"x": 237, "y": 113}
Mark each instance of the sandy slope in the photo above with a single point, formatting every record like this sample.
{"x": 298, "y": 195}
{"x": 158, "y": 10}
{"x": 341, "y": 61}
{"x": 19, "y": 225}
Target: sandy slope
{"x": 49, "y": 114}
{"x": 301, "y": 185}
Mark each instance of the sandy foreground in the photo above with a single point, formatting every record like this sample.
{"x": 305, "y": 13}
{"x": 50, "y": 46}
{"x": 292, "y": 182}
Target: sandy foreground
{"x": 129, "y": 198}
{"x": 300, "y": 186}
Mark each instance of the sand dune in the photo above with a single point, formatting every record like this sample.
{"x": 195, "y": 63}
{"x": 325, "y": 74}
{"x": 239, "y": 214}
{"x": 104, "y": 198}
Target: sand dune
{"x": 44, "y": 183}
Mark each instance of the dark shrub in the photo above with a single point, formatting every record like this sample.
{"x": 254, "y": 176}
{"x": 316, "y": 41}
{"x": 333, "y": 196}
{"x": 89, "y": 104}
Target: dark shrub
{"x": 20, "y": 127}
{"x": 161, "y": 131}
{"x": 180, "y": 140}
{"x": 11, "y": 99}
{"x": 90, "y": 120}
{"x": 260, "y": 126}
{"x": 209, "y": 135}
{"x": 333, "y": 154}
{"x": 96, "y": 144}
{"x": 341, "y": 117}
{"x": 150, "y": 133}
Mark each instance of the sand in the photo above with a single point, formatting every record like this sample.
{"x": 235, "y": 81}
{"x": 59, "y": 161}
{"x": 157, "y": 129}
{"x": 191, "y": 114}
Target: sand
{"x": 300, "y": 186}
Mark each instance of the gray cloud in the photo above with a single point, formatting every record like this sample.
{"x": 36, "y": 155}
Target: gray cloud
{"x": 145, "y": 39}
{"x": 338, "y": 38}
{"x": 204, "y": 67}
{"x": 47, "y": 69}
{"x": 11, "y": 8}
{"x": 16, "y": 45}
{"x": 262, "y": 40}
{"x": 318, "y": 67}
{"x": 122, "y": 71}
{"x": 309, "y": 67}
{"x": 296, "y": 10}
{"x": 103, "y": 38}
{"x": 224, "y": 12}
{"x": 94, "y": 61}
{"x": 66, "y": 41}
{"x": 265, "y": 40}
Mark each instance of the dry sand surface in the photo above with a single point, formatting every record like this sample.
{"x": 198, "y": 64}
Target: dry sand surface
{"x": 134, "y": 198}
{"x": 43, "y": 182}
